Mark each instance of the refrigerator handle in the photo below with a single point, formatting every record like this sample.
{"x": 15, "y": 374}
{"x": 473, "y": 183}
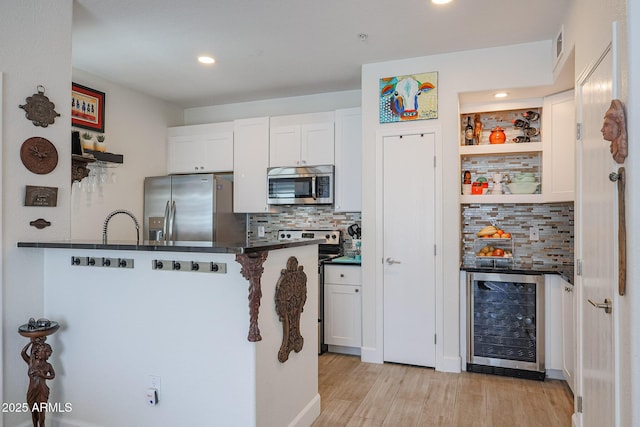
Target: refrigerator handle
{"x": 172, "y": 220}
{"x": 165, "y": 221}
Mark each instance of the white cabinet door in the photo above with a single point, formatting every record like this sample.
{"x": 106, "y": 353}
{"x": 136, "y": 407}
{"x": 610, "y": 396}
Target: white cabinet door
{"x": 342, "y": 305}
{"x": 559, "y": 148}
{"x": 284, "y": 146}
{"x": 317, "y": 144}
{"x": 302, "y": 140}
{"x": 250, "y": 163}
{"x": 568, "y": 333}
{"x": 348, "y": 160}
{"x": 342, "y": 315}
{"x": 200, "y": 148}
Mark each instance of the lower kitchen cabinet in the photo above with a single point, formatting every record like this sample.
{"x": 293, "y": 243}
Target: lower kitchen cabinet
{"x": 342, "y": 305}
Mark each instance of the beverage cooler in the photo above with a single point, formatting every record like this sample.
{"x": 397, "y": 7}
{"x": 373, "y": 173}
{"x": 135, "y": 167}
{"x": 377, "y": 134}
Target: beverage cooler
{"x": 505, "y": 324}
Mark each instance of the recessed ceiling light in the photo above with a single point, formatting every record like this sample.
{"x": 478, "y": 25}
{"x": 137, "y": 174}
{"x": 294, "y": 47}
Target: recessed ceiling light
{"x": 440, "y": 1}
{"x": 206, "y": 59}
{"x": 501, "y": 95}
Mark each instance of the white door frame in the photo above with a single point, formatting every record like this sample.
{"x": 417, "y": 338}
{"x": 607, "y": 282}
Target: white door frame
{"x": 438, "y": 238}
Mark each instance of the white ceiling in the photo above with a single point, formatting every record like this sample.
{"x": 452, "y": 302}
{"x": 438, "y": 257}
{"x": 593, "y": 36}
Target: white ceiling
{"x": 281, "y": 48}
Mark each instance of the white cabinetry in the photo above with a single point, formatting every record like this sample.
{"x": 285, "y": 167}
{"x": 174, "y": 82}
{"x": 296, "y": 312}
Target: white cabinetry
{"x": 200, "y": 148}
{"x": 553, "y": 325}
{"x": 250, "y": 163}
{"x": 559, "y": 148}
{"x": 302, "y": 140}
{"x": 568, "y": 333}
{"x": 342, "y": 305}
{"x": 348, "y": 160}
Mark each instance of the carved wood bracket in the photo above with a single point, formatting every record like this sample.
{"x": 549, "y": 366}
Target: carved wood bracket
{"x": 291, "y": 295}
{"x": 252, "y": 271}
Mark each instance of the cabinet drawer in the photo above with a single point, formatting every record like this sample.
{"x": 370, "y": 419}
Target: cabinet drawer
{"x": 342, "y": 274}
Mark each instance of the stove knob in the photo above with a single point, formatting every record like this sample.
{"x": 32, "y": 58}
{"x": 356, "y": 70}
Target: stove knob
{"x": 282, "y": 236}
{"x": 327, "y": 236}
{"x": 288, "y": 236}
{"x": 333, "y": 236}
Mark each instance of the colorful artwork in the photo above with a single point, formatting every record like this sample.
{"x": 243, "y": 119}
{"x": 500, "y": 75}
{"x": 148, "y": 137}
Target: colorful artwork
{"x": 406, "y": 98}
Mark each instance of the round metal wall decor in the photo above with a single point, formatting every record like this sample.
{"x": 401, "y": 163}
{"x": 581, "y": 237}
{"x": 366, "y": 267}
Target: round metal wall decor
{"x": 39, "y": 155}
{"x": 39, "y": 109}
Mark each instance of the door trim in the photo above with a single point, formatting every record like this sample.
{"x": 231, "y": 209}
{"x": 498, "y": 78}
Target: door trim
{"x": 376, "y": 354}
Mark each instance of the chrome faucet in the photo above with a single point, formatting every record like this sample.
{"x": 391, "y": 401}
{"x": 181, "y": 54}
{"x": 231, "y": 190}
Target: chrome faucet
{"x": 111, "y": 215}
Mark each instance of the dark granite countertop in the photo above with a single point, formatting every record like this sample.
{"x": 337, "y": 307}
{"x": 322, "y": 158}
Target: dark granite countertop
{"x": 566, "y": 271}
{"x": 151, "y": 246}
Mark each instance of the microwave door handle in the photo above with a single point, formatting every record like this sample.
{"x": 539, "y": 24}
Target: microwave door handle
{"x": 165, "y": 221}
{"x": 313, "y": 188}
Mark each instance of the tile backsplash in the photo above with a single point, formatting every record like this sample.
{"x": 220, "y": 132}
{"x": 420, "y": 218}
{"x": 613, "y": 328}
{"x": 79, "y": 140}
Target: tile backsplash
{"x": 555, "y": 222}
{"x": 301, "y": 217}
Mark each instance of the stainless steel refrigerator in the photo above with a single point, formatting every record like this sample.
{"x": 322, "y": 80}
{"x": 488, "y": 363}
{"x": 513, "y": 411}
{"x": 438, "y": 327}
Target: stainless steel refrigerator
{"x": 195, "y": 207}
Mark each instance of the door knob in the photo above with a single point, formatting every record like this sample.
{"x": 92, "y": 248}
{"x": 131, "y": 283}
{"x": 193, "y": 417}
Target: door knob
{"x": 392, "y": 261}
{"x": 606, "y": 305}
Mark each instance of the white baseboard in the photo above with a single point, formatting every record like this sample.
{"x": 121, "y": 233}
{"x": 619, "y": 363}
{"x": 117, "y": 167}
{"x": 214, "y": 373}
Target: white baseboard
{"x": 371, "y": 355}
{"x": 308, "y": 415}
{"x": 354, "y": 351}
{"x": 555, "y": 374}
{"x": 450, "y": 364}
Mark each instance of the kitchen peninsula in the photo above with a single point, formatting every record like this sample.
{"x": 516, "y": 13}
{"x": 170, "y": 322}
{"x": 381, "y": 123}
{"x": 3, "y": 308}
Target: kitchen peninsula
{"x": 186, "y": 317}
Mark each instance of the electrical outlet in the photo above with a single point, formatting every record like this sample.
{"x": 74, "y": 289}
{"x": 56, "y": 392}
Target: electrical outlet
{"x": 261, "y": 231}
{"x": 533, "y": 233}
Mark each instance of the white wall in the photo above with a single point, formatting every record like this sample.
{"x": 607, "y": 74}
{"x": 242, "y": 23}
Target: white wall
{"x": 35, "y": 50}
{"x": 469, "y": 71}
{"x": 273, "y": 107}
{"x": 135, "y": 126}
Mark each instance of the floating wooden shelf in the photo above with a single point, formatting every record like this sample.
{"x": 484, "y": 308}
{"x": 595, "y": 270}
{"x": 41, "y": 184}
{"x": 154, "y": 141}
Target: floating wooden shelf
{"x": 106, "y": 157}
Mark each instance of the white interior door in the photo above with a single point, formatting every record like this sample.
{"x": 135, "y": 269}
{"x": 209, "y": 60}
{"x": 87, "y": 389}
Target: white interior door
{"x": 596, "y": 211}
{"x": 409, "y": 246}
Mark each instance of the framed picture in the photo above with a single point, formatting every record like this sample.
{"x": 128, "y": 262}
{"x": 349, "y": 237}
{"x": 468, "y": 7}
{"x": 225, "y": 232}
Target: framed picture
{"x": 410, "y": 97}
{"x": 87, "y": 108}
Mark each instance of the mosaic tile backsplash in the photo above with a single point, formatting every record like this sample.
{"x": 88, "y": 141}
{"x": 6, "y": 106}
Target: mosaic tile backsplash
{"x": 554, "y": 221}
{"x": 302, "y": 217}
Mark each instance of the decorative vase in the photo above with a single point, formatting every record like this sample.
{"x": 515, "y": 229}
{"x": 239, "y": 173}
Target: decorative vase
{"x": 100, "y": 146}
{"x": 87, "y": 144}
{"x": 497, "y": 136}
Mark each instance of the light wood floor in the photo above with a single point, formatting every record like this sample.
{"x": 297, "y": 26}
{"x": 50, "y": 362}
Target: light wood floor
{"x": 365, "y": 394}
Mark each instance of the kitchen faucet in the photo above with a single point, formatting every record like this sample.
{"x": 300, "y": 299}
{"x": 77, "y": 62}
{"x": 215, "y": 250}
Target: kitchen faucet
{"x": 111, "y": 215}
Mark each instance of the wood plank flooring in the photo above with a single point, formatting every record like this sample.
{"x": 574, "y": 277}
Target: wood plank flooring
{"x": 365, "y": 394}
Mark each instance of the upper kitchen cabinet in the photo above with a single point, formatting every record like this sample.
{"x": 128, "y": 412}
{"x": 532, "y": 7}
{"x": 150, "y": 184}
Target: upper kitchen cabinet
{"x": 250, "y": 163}
{"x": 200, "y": 148}
{"x": 527, "y": 145}
{"x": 559, "y": 148}
{"x": 302, "y": 140}
{"x": 348, "y": 160}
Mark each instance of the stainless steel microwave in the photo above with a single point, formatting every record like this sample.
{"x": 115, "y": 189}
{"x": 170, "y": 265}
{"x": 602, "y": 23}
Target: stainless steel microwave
{"x": 310, "y": 185}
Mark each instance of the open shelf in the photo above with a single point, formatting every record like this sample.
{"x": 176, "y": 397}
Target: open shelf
{"x": 106, "y": 157}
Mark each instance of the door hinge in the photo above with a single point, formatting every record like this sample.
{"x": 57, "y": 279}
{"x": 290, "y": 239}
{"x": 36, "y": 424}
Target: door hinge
{"x": 578, "y": 131}
{"x": 579, "y": 267}
{"x": 579, "y": 404}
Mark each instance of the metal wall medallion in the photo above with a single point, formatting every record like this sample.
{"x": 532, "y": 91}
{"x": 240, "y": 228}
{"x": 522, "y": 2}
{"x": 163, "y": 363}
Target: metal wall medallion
{"x": 39, "y": 109}
{"x": 291, "y": 295}
{"x": 39, "y": 155}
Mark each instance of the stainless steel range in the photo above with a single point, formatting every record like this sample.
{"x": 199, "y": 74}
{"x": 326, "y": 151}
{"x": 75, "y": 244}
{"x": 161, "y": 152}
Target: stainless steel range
{"x": 330, "y": 248}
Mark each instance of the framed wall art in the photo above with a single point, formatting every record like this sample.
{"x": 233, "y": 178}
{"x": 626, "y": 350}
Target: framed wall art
{"x": 410, "y": 97}
{"x": 87, "y": 108}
